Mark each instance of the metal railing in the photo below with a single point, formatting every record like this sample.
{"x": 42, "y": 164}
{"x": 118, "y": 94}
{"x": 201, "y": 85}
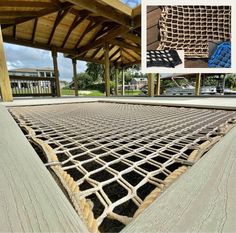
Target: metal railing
{"x": 33, "y": 86}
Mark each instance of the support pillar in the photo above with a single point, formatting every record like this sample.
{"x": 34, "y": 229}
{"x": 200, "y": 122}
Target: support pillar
{"x": 123, "y": 82}
{"x": 75, "y": 76}
{"x": 56, "y": 72}
{"x": 158, "y": 85}
{"x": 198, "y": 84}
{"x": 150, "y": 85}
{"x": 5, "y": 86}
{"x": 107, "y": 70}
{"x": 117, "y": 81}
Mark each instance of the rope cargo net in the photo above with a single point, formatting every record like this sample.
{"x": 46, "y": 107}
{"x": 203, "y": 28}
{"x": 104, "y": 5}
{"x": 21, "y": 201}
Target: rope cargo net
{"x": 191, "y": 28}
{"x": 114, "y": 160}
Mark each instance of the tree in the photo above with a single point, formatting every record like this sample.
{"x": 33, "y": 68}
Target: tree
{"x": 95, "y": 71}
{"x": 84, "y": 81}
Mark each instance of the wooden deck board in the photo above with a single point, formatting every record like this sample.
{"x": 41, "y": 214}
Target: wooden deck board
{"x": 30, "y": 199}
{"x": 201, "y": 200}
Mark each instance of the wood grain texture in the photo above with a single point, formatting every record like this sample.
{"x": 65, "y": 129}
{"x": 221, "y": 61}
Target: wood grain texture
{"x": 5, "y": 87}
{"x": 201, "y": 200}
{"x": 30, "y": 200}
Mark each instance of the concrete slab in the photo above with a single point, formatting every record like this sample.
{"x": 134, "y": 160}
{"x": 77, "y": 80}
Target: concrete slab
{"x": 203, "y": 102}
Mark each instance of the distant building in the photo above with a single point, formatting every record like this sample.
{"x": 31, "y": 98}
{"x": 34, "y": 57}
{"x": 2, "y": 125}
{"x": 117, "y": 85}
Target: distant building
{"x": 31, "y": 72}
{"x": 28, "y": 85}
{"x": 138, "y": 83}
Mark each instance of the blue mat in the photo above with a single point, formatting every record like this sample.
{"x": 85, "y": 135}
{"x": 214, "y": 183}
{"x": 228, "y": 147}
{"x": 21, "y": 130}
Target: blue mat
{"x": 221, "y": 56}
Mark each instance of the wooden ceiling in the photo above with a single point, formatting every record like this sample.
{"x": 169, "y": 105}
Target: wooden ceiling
{"x": 77, "y": 28}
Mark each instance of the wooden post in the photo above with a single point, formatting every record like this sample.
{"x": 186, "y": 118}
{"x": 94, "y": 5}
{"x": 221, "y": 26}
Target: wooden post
{"x": 56, "y": 72}
{"x": 75, "y": 76}
{"x": 5, "y": 86}
{"x": 198, "y": 84}
{"x": 150, "y": 85}
{"x": 158, "y": 85}
{"x": 107, "y": 70}
{"x": 123, "y": 82}
{"x": 117, "y": 81}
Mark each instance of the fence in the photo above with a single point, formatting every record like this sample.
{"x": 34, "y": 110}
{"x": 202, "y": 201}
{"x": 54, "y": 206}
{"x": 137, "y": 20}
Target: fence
{"x": 33, "y": 86}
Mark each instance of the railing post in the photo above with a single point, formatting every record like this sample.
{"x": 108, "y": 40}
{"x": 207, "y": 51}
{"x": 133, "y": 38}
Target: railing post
{"x": 150, "y": 85}
{"x": 158, "y": 85}
{"x": 198, "y": 84}
{"x": 56, "y": 72}
{"x": 5, "y": 86}
{"x": 75, "y": 76}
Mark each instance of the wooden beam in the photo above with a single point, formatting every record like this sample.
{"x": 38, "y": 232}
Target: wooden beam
{"x": 107, "y": 69}
{"x": 150, "y": 85}
{"x": 112, "y": 34}
{"x": 198, "y": 84}
{"x": 24, "y": 4}
{"x": 129, "y": 54}
{"x": 5, "y": 86}
{"x": 56, "y": 72}
{"x": 60, "y": 16}
{"x": 118, "y": 5}
{"x": 134, "y": 38}
{"x": 75, "y": 76}
{"x": 29, "y": 43}
{"x": 158, "y": 85}
{"x": 103, "y": 10}
{"x": 14, "y": 32}
{"x": 123, "y": 44}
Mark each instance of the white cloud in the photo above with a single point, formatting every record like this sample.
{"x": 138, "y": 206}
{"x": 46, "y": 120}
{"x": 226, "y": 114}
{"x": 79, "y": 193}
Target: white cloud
{"x": 25, "y": 57}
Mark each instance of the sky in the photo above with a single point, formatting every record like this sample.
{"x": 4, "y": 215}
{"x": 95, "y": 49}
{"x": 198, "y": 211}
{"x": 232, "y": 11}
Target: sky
{"x": 25, "y": 57}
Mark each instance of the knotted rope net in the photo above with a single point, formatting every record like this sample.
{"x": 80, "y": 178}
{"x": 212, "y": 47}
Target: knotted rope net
{"x": 115, "y": 159}
{"x": 191, "y": 28}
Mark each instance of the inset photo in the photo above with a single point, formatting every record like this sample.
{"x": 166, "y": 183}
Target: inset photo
{"x": 184, "y": 37}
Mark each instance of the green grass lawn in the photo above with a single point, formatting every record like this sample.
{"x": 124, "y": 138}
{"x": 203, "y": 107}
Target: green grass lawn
{"x": 72, "y": 92}
{"x": 96, "y": 92}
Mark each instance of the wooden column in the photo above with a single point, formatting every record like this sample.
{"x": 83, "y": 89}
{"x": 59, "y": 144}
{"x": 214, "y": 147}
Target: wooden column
{"x": 56, "y": 72}
{"x": 117, "y": 81}
{"x": 75, "y": 76}
{"x": 5, "y": 86}
{"x": 150, "y": 85}
{"x": 107, "y": 70}
{"x": 158, "y": 86}
{"x": 123, "y": 82}
{"x": 198, "y": 84}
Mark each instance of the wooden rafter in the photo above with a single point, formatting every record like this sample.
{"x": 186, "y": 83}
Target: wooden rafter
{"x": 14, "y": 32}
{"x": 112, "y": 34}
{"x": 131, "y": 55}
{"x": 123, "y": 44}
{"x": 60, "y": 16}
{"x": 34, "y": 29}
{"x": 132, "y": 37}
{"x": 103, "y": 10}
{"x": 77, "y": 21}
{"x": 114, "y": 54}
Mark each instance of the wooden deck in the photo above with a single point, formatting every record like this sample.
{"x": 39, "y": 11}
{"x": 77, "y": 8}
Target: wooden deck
{"x": 201, "y": 200}
{"x": 30, "y": 199}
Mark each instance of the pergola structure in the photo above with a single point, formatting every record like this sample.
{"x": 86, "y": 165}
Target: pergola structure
{"x": 100, "y": 31}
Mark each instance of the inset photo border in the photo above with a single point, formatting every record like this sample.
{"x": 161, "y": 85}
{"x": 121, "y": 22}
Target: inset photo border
{"x": 188, "y": 37}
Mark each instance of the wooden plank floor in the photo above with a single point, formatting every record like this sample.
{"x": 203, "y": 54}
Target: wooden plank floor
{"x": 201, "y": 200}
{"x": 30, "y": 200}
